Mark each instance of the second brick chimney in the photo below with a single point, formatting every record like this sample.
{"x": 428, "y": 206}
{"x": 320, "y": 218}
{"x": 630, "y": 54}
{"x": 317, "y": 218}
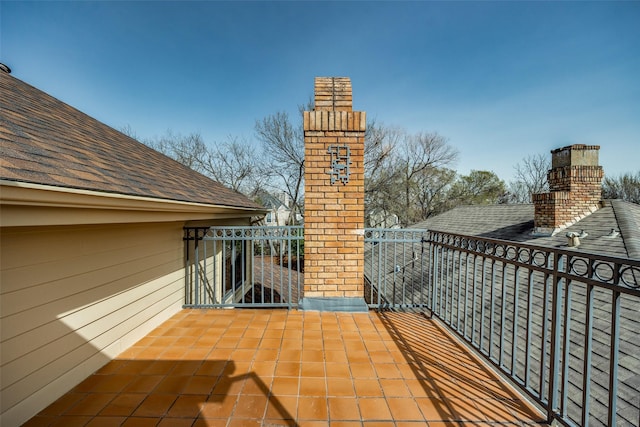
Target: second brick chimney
{"x": 575, "y": 189}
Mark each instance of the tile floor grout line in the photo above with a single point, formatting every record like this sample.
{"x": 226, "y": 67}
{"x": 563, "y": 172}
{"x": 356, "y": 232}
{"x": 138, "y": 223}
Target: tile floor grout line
{"x": 354, "y": 331}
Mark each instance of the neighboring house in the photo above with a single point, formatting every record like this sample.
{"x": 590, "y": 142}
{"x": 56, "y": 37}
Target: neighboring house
{"x": 279, "y": 210}
{"x": 378, "y": 218}
{"x": 92, "y": 247}
{"x": 571, "y": 216}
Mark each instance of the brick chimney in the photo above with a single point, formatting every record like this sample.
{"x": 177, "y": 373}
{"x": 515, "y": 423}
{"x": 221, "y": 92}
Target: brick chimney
{"x": 334, "y": 200}
{"x": 575, "y": 189}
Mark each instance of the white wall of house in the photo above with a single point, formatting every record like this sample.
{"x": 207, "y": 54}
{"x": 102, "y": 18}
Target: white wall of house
{"x": 278, "y": 217}
{"x": 74, "y": 297}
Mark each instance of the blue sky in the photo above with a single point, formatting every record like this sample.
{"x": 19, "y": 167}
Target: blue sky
{"x": 500, "y": 80}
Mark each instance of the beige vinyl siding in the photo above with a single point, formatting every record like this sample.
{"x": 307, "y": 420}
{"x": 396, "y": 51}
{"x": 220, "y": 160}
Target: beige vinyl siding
{"x": 75, "y": 297}
{"x": 211, "y": 272}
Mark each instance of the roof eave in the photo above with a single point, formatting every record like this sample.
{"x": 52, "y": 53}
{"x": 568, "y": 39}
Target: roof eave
{"x": 69, "y": 206}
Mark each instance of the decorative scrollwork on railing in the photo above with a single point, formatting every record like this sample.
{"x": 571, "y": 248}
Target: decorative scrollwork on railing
{"x": 588, "y": 268}
{"x": 540, "y": 258}
{"x": 195, "y": 233}
{"x": 251, "y": 233}
{"x": 524, "y": 255}
{"x": 630, "y": 276}
{"x": 605, "y": 272}
{"x": 579, "y": 267}
{"x": 511, "y": 253}
{"x": 463, "y": 242}
{"x": 394, "y": 235}
{"x": 500, "y": 251}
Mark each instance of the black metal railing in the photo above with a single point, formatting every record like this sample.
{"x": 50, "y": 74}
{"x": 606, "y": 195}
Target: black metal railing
{"x": 562, "y": 324}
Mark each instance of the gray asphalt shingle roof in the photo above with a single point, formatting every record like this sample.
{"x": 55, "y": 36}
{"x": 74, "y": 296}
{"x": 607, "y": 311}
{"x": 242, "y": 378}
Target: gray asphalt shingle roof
{"x": 515, "y": 223}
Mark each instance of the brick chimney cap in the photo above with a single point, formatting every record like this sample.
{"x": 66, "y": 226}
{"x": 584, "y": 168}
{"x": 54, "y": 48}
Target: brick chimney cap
{"x": 576, "y": 147}
{"x": 575, "y": 155}
{"x": 333, "y": 94}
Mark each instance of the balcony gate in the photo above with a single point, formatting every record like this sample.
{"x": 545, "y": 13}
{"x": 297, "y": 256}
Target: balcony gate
{"x": 263, "y": 267}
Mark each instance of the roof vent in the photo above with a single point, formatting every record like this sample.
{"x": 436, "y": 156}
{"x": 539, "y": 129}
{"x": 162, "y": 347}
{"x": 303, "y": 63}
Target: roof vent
{"x": 613, "y": 234}
{"x": 573, "y": 238}
{"x": 5, "y": 68}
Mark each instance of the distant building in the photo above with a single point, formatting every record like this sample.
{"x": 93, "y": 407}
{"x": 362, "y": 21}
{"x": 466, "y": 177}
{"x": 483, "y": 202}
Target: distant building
{"x": 381, "y": 219}
{"x": 573, "y": 206}
{"x": 279, "y": 209}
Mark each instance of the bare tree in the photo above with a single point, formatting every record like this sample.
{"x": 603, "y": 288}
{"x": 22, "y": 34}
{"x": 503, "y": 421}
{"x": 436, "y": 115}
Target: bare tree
{"x": 530, "y": 178}
{"x": 190, "y": 150}
{"x": 129, "y": 131}
{"x": 283, "y": 148}
{"x": 380, "y": 143}
{"x": 420, "y": 155}
{"x": 434, "y": 185}
{"x": 625, "y": 187}
{"x": 234, "y": 164}
{"x": 404, "y": 175}
{"x": 380, "y": 170}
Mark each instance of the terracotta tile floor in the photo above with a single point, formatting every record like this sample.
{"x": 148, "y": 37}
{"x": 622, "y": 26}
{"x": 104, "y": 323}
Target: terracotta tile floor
{"x": 276, "y": 367}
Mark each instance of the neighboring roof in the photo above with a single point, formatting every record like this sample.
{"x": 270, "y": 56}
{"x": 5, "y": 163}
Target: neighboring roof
{"x": 628, "y": 217}
{"x": 508, "y": 222}
{"x": 271, "y": 202}
{"x": 45, "y": 141}
{"x": 515, "y": 223}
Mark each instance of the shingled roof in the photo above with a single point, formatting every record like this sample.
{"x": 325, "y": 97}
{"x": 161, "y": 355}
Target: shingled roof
{"x": 45, "y": 141}
{"x": 612, "y": 230}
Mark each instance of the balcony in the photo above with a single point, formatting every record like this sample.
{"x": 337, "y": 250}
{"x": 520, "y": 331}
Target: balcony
{"x": 559, "y": 323}
{"x": 462, "y": 330}
{"x": 268, "y": 367}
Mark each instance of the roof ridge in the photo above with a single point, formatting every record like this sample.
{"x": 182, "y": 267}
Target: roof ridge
{"x": 628, "y": 226}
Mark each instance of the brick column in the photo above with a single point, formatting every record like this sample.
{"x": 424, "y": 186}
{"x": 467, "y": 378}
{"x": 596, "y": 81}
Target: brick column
{"x": 334, "y": 200}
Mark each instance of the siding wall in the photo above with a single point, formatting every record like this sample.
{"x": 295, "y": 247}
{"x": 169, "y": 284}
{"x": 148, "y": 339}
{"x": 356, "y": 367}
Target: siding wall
{"x": 72, "y": 298}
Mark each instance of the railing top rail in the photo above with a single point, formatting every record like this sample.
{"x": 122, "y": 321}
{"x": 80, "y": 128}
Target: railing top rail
{"x": 397, "y": 235}
{"x": 594, "y": 269}
{"x": 567, "y": 252}
{"x": 235, "y": 232}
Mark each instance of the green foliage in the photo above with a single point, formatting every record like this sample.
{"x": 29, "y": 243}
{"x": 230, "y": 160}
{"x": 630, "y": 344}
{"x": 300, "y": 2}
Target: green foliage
{"x": 478, "y": 188}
